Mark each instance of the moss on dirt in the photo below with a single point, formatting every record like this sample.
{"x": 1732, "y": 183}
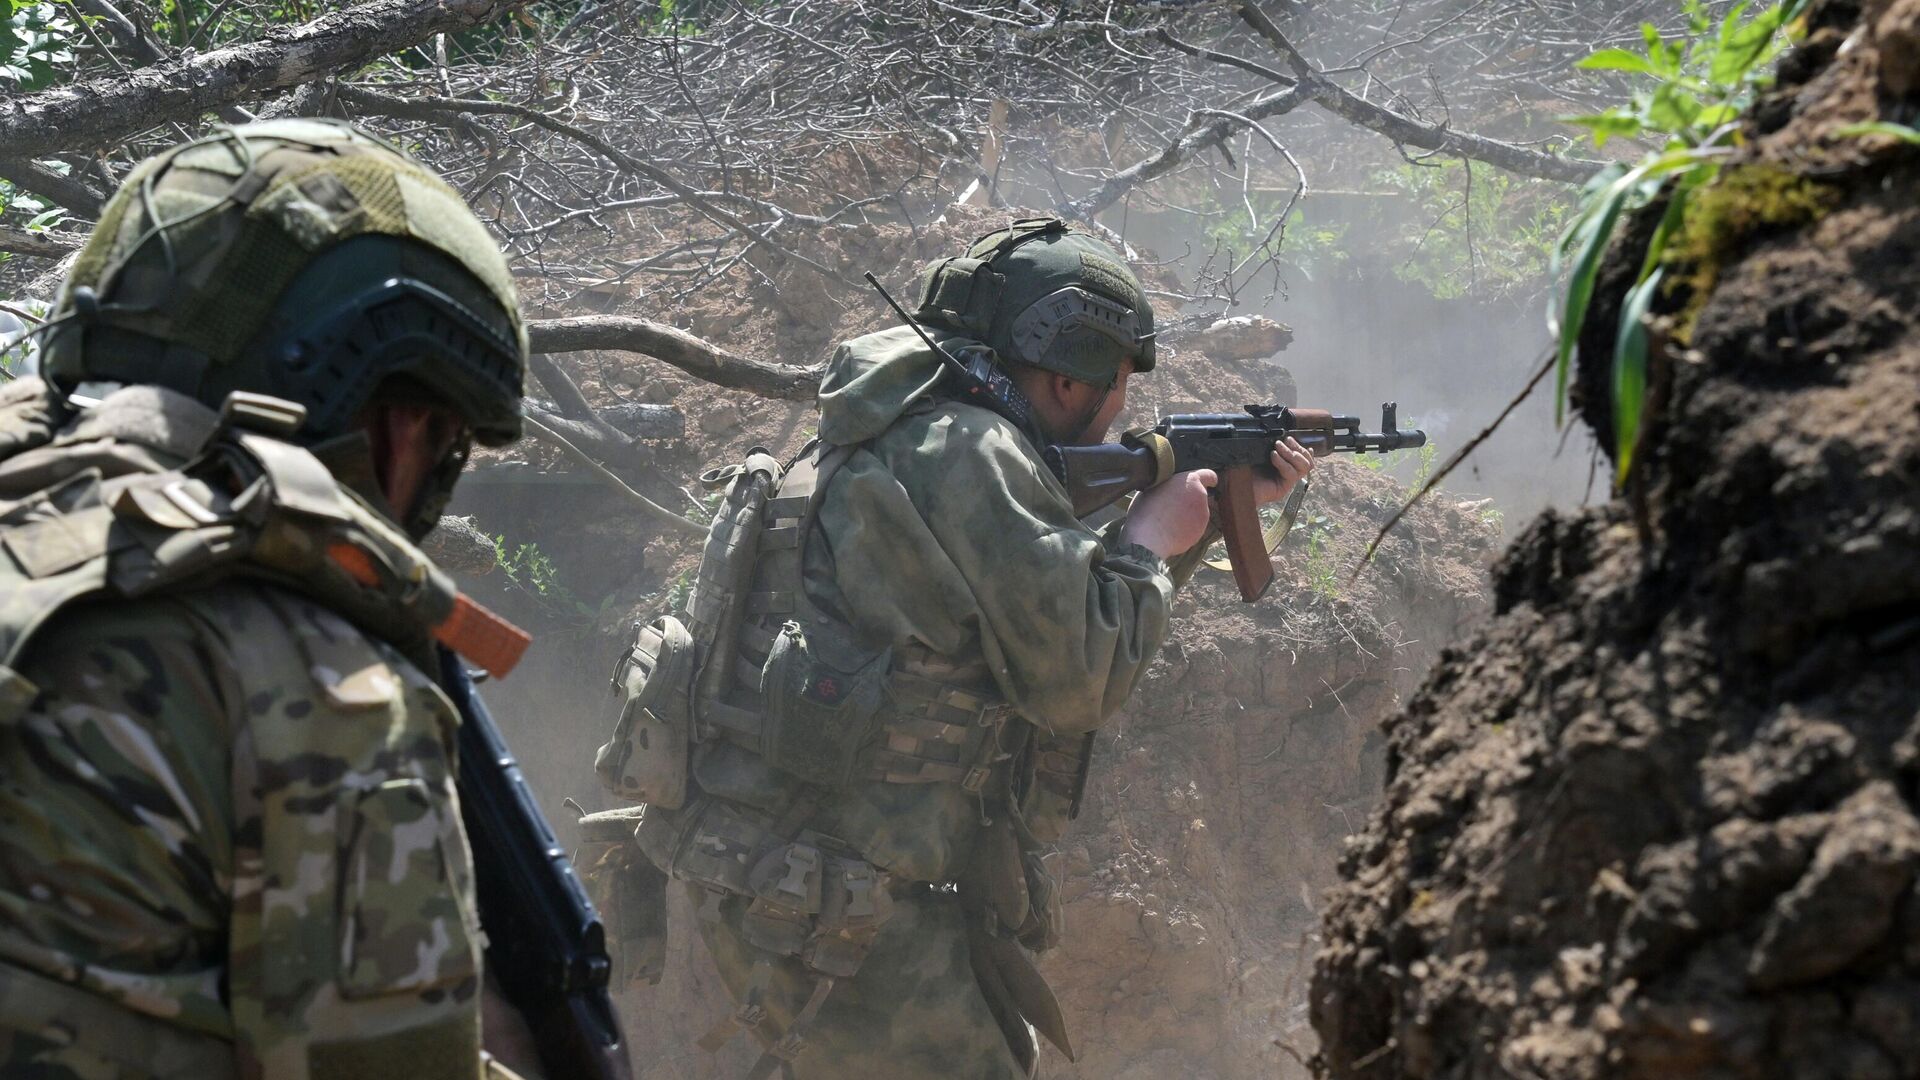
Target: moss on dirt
{"x": 1742, "y": 204}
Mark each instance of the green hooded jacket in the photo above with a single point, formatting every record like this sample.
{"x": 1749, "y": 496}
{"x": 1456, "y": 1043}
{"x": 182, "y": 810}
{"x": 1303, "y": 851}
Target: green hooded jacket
{"x": 945, "y": 536}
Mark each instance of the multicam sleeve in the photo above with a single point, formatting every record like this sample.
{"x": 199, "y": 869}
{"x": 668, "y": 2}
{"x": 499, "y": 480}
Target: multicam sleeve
{"x": 234, "y": 813}
{"x": 116, "y": 850}
{"x": 355, "y": 940}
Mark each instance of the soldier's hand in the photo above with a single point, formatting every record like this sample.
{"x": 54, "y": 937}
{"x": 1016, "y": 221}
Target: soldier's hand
{"x": 1171, "y": 518}
{"x": 1293, "y": 462}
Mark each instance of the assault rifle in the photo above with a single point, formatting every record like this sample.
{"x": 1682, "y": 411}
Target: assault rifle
{"x": 545, "y": 943}
{"x": 1233, "y": 445}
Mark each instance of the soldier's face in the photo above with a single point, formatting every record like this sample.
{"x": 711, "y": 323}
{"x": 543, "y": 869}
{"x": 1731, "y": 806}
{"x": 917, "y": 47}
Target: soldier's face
{"x": 409, "y": 440}
{"x": 1110, "y": 410}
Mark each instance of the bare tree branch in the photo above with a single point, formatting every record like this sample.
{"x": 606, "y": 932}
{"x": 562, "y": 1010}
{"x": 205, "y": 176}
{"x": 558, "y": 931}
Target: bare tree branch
{"x": 139, "y": 46}
{"x": 1199, "y": 137}
{"x": 104, "y": 111}
{"x": 43, "y": 245}
{"x": 73, "y": 193}
{"x": 1349, "y": 106}
{"x": 398, "y": 106}
{"x": 695, "y": 356}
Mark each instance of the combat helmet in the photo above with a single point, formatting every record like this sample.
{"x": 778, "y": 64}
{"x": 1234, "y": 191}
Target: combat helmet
{"x": 1042, "y": 294}
{"x": 304, "y": 259}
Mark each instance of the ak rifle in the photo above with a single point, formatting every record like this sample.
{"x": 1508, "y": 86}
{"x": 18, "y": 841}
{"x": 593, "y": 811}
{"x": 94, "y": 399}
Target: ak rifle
{"x": 545, "y": 942}
{"x": 1234, "y": 445}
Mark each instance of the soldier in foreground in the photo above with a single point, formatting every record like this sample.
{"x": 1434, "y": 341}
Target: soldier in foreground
{"x": 229, "y": 839}
{"x": 877, "y": 715}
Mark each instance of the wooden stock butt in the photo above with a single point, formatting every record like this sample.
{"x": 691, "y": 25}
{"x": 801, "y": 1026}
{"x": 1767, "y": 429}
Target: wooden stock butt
{"x": 1239, "y": 518}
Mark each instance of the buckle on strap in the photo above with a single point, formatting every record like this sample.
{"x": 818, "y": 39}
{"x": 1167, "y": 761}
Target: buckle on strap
{"x": 793, "y": 1042}
{"x": 750, "y": 1015}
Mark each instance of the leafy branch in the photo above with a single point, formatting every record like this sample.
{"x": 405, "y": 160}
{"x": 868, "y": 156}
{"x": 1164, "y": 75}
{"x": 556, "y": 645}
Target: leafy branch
{"x": 1698, "y": 87}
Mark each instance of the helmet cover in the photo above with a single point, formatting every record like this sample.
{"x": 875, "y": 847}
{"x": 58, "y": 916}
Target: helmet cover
{"x": 221, "y": 262}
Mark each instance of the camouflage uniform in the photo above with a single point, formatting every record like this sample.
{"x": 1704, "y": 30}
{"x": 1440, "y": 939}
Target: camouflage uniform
{"x": 940, "y": 539}
{"x": 229, "y": 839}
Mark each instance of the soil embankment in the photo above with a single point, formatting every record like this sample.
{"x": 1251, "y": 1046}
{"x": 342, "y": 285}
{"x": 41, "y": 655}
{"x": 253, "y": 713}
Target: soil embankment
{"x": 1657, "y": 819}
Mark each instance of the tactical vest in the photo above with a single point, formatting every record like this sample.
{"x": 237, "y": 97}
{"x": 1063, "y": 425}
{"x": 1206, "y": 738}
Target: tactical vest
{"x": 758, "y": 664}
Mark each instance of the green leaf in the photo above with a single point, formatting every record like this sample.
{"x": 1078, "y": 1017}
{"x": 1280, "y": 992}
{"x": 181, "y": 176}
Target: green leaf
{"x": 1606, "y": 125}
{"x": 1901, "y": 132}
{"x": 1712, "y": 117}
{"x": 1670, "y": 221}
{"x": 1630, "y": 374}
{"x": 1602, "y": 201}
{"x": 1672, "y": 109}
{"x": 1589, "y": 234}
{"x": 1617, "y": 60}
{"x": 1744, "y": 46}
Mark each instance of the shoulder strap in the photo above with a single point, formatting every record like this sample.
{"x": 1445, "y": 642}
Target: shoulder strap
{"x": 291, "y": 524}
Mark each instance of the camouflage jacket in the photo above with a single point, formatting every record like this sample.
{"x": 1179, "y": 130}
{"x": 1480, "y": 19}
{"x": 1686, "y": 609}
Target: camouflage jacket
{"x": 229, "y": 839}
{"x": 945, "y": 536}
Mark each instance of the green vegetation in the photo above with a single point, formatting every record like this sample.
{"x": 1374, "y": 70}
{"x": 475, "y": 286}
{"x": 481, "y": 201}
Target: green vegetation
{"x": 1488, "y": 231}
{"x": 1323, "y": 573}
{"x": 1696, "y": 88}
{"x": 531, "y": 571}
{"x": 35, "y": 42}
{"x": 1898, "y": 132}
{"x": 1473, "y": 229}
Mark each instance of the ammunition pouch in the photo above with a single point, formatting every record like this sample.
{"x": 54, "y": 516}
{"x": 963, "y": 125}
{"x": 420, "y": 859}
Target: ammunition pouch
{"x": 646, "y": 760}
{"x": 809, "y": 897}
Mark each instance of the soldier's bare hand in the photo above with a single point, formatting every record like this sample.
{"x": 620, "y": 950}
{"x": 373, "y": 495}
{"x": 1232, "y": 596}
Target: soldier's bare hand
{"x": 1293, "y": 462}
{"x": 1171, "y": 518}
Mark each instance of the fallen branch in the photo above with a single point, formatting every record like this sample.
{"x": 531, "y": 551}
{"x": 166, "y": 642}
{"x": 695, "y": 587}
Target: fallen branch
{"x": 107, "y": 111}
{"x": 74, "y": 194}
{"x": 695, "y": 356}
{"x": 652, "y": 510}
{"x": 136, "y": 44}
{"x": 43, "y": 245}
{"x": 1349, "y": 106}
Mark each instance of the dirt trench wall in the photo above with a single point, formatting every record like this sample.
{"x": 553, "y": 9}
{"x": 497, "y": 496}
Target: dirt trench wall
{"x": 1658, "y": 818}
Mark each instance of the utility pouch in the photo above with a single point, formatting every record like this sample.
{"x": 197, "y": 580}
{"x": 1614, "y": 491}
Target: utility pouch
{"x": 962, "y": 292}
{"x": 646, "y": 759}
{"x": 629, "y": 891}
{"x": 822, "y": 907}
{"x": 824, "y": 693}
